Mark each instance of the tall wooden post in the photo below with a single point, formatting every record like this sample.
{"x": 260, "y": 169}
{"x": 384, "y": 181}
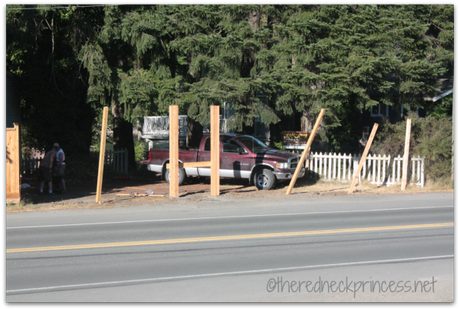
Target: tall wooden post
{"x": 173, "y": 151}
{"x": 406, "y": 155}
{"x": 215, "y": 152}
{"x": 12, "y": 167}
{"x": 363, "y": 157}
{"x": 305, "y": 152}
{"x": 100, "y": 175}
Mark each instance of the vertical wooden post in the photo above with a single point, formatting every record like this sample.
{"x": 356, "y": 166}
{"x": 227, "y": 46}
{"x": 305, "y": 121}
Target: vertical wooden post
{"x": 215, "y": 151}
{"x": 100, "y": 175}
{"x": 173, "y": 151}
{"x": 12, "y": 167}
{"x": 406, "y": 155}
{"x": 363, "y": 157}
{"x": 305, "y": 151}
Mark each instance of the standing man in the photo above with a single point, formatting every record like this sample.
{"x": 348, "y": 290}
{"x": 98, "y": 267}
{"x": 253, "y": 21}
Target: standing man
{"x": 46, "y": 167}
{"x": 60, "y": 167}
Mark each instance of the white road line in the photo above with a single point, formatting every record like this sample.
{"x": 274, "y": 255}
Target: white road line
{"x": 231, "y": 273}
{"x": 226, "y": 217}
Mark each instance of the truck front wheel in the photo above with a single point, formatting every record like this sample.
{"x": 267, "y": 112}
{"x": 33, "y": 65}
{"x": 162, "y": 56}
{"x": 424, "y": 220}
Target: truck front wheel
{"x": 264, "y": 179}
{"x": 182, "y": 176}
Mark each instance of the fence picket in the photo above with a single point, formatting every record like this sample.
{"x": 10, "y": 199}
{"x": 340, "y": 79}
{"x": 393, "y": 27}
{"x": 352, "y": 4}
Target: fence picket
{"x": 378, "y": 169}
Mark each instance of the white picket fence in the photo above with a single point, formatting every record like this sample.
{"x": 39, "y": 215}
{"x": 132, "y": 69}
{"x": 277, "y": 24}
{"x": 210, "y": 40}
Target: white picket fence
{"x": 378, "y": 170}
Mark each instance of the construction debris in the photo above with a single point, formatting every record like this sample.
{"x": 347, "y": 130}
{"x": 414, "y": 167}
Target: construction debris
{"x": 135, "y": 194}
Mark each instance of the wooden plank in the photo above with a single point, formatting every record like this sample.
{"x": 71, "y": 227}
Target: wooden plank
{"x": 198, "y": 164}
{"x": 215, "y": 152}
{"x": 100, "y": 175}
{"x": 305, "y": 152}
{"x": 406, "y": 155}
{"x": 174, "y": 151}
{"x": 363, "y": 157}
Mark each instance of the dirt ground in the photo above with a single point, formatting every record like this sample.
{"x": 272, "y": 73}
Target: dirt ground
{"x": 122, "y": 192}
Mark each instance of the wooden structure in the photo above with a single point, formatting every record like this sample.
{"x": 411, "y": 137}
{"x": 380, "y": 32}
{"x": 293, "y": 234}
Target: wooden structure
{"x": 174, "y": 164}
{"x": 406, "y": 155}
{"x": 363, "y": 158}
{"x": 305, "y": 152}
{"x": 12, "y": 168}
{"x": 100, "y": 175}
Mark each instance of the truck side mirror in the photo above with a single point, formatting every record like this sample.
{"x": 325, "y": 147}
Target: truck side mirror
{"x": 240, "y": 150}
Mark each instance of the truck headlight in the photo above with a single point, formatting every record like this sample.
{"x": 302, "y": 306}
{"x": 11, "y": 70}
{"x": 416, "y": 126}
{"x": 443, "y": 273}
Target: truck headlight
{"x": 282, "y": 165}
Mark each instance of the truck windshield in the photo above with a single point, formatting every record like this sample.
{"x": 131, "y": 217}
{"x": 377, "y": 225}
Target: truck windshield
{"x": 253, "y": 144}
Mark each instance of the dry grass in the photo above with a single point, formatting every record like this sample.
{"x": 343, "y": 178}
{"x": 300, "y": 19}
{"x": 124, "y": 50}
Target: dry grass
{"x": 308, "y": 187}
{"x": 334, "y": 187}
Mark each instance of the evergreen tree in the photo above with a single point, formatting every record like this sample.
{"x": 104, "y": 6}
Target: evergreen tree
{"x": 42, "y": 46}
{"x": 349, "y": 58}
{"x": 269, "y": 62}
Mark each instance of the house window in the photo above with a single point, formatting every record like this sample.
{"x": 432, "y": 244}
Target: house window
{"x": 379, "y": 110}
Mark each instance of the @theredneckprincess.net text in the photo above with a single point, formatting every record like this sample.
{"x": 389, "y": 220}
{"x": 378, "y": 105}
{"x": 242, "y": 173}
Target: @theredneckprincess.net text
{"x": 280, "y": 285}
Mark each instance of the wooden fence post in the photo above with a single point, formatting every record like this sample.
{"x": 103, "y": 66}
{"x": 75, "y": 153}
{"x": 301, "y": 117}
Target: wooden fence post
{"x": 100, "y": 175}
{"x": 305, "y": 151}
{"x": 13, "y": 186}
{"x": 406, "y": 155}
{"x": 173, "y": 151}
{"x": 363, "y": 158}
{"x": 215, "y": 152}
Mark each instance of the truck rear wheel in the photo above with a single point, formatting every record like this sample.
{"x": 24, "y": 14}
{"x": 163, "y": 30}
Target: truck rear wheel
{"x": 182, "y": 176}
{"x": 264, "y": 179}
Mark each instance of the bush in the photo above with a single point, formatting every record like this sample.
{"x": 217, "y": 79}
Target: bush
{"x": 431, "y": 138}
{"x": 141, "y": 150}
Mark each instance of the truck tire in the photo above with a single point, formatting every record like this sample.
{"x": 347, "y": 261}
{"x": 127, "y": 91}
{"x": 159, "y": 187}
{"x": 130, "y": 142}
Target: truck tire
{"x": 182, "y": 176}
{"x": 264, "y": 179}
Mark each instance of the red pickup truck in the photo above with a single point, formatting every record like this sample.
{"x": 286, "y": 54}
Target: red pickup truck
{"x": 241, "y": 157}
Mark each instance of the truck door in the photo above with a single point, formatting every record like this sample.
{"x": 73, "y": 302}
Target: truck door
{"x": 205, "y": 155}
{"x": 234, "y": 160}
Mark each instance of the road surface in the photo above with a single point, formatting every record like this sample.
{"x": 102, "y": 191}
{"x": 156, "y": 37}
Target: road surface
{"x": 350, "y": 248}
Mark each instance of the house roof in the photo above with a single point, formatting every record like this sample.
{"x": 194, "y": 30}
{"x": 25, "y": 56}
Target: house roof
{"x": 446, "y": 88}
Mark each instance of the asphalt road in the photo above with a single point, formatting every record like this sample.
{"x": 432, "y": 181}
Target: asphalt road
{"x": 237, "y": 250}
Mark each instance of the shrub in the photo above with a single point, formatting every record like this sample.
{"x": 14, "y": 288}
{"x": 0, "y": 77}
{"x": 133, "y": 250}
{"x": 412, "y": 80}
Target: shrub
{"x": 431, "y": 138}
{"x": 140, "y": 150}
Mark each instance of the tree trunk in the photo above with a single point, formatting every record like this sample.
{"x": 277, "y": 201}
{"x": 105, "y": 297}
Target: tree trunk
{"x": 123, "y": 134}
{"x": 194, "y": 133}
{"x": 306, "y": 121}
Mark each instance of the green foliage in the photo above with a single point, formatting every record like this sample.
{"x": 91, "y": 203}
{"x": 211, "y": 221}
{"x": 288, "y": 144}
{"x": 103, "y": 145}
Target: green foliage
{"x": 431, "y": 138}
{"x": 349, "y": 58}
{"x": 435, "y": 145}
{"x": 42, "y": 45}
{"x": 141, "y": 149}
{"x": 443, "y": 109}
{"x": 264, "y": 61}
{"x": 279, "y": 145}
